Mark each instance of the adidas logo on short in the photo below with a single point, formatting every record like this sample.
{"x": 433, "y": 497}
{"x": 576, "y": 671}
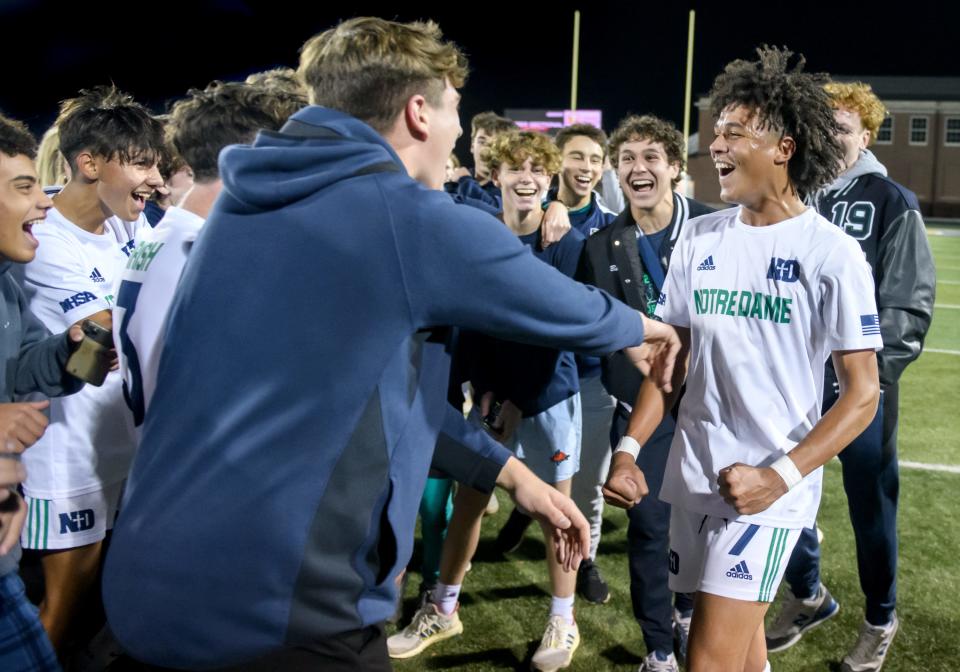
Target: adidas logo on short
{"x": 740, "y": 571}
{"x": 707, "y": 264}
{"x": 96, "y": 276}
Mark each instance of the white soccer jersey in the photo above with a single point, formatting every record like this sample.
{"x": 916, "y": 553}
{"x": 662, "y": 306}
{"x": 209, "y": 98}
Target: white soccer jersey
{"x": 89, "y": 443}
{"x": 765, "y": 306}
{"x": 148, "y": 285}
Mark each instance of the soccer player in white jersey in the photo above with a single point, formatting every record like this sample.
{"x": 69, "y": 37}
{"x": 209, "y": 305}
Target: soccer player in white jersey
{"x": 762, "y": 295}
{"x": 200, "y": 126}
{"x": 77, "y": 469}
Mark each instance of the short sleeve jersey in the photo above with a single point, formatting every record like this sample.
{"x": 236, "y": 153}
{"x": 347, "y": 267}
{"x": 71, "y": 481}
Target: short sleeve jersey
{"x": 148, "y": 284}
{"x": 89, "y": 441}
{"x": 765, "y": 307}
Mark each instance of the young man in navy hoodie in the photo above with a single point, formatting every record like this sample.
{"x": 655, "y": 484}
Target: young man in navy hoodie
{"x": 32, "y": 361}
{"x": 274, "y": 511}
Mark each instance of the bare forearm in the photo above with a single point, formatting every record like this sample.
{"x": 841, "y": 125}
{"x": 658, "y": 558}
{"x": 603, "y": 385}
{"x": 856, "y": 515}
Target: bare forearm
{"x": 652, "y": 403}
{"x": 859, "y": 394}
{"x": 845, "y": 421}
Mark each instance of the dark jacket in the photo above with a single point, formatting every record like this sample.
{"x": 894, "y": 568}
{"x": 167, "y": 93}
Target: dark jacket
{"x": 31, "y": 360}
{"x": 611, "y": 262}
{"x": 885, "y": 219}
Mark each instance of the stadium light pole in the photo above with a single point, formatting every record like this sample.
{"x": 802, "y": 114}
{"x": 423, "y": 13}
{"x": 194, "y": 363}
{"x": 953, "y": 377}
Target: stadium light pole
{"x": 576, "y": 60}
{"x": 688, "y": 89}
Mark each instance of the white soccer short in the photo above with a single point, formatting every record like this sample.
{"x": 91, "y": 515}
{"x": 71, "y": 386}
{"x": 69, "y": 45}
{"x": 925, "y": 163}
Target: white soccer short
{"x": 742, "y": 561}
{"x": 70, "y": 522}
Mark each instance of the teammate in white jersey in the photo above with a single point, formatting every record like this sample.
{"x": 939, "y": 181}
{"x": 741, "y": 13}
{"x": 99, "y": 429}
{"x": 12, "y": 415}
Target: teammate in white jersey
{"x": 76, "y": 471}
{"x": 761, "y": 295}
{"x": 200, "y": 126}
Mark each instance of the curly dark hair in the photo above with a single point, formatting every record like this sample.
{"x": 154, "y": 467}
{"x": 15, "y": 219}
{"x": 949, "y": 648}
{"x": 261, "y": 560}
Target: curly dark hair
{"x": 16, "y": 139}
{"x": 651, "y": 129}
{"x": 790, "y": 101}
{"x": 108, "y": 123}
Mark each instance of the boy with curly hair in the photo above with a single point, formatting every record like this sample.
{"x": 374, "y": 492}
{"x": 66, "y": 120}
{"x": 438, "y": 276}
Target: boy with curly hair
{"x": 761, "y": 295}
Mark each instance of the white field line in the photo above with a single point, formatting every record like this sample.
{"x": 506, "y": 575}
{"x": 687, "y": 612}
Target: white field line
{"x": 948, "y": 306}
{"x": 950, "y": 468}
{"x": 941, "y": 351}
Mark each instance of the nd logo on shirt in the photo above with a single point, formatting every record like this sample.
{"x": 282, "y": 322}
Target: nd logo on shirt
{"x": 744, "y": 303}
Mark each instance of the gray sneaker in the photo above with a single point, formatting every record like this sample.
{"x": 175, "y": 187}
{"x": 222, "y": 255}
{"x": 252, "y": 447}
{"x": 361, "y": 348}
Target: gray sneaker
{"x": 871, "y": 648}
{"x": 659, "y": 662}
{"x": 428, "y": 627}
{"x": 798, "y": 616}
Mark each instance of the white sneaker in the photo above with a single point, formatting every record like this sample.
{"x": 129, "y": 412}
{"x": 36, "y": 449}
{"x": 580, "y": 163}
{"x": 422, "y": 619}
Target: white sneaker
{"x": 656, "y": 662}
{"x": 871, "y": 648}
{"x": 798, "y": 616}
{"x": 556, "y": 649}
{"x": 428, "y": 627}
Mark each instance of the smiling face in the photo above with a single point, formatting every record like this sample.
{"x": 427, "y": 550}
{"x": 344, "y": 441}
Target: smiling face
{"x": 22, "y": 204}
{"x": 581, "y": 170}
{"x": 523, "y": 187}
{"x": 747, "y": 157}
{"x": 646, "y": 175}
{"x": 124, "y": 188}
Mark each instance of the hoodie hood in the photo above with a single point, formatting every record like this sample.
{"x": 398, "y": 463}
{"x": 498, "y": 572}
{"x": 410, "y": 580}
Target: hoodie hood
{"x": 867, "y": 164}
{"x": 315, "y": 149}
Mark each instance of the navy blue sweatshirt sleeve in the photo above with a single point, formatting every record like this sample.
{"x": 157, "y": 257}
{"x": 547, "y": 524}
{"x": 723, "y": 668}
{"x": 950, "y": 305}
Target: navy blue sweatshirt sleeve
{"x": 486, "y": 280}
{"x": 469, "y": 191}
{"x": 467, "y": 453}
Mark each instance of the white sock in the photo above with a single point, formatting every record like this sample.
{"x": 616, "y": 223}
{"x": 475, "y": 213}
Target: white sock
{"x": 766, "y": 667}
{"x": 562, "y": 606}
{"x": 445, "y": 597}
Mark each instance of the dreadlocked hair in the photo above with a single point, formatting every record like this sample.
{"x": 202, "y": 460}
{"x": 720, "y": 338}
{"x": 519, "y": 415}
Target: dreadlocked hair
{"x": 790, "y": 101}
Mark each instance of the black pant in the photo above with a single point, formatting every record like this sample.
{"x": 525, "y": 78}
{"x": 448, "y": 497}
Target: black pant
{"x": 648, "y": 539}
{"x": 362, "y": 650}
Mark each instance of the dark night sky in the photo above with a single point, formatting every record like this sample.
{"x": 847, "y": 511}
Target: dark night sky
{"x": 632, "y": 54}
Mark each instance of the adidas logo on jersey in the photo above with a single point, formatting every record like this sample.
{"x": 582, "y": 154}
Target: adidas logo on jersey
{"x": 740, "y": 571}
{"x": 707, "y": 264}
{"x": 96, "y": 276}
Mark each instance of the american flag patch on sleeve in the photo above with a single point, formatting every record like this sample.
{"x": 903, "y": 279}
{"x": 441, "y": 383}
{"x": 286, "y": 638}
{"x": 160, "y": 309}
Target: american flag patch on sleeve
{"x": 870, "y": 324}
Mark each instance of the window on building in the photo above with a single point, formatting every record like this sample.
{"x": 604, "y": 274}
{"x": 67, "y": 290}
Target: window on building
{"x": 951, "y": 131}
{"x": 885, "y": 132}
{"x": 918, "y": 130}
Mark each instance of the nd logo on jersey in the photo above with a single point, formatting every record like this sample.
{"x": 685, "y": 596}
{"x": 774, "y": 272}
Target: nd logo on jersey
{"x": 856, "y": 219}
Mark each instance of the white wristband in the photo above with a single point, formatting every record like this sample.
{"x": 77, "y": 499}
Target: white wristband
{"x": 788, "y": 471}
{"x": 628, "y": 444}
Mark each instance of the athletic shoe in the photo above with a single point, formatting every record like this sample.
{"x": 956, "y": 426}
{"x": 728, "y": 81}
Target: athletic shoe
{"x": 511, "y": 534}
{"x": 659, "y": 662}
{"x": 427, "y": 628}
{"x": 681, "y": 635}
{"x": 798, "y": 616}
{"x": 560, "y": 641}
{"x": 493, "y": 505}
{"x": 590, "y": 583}
{"x": 871, "y": 648}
